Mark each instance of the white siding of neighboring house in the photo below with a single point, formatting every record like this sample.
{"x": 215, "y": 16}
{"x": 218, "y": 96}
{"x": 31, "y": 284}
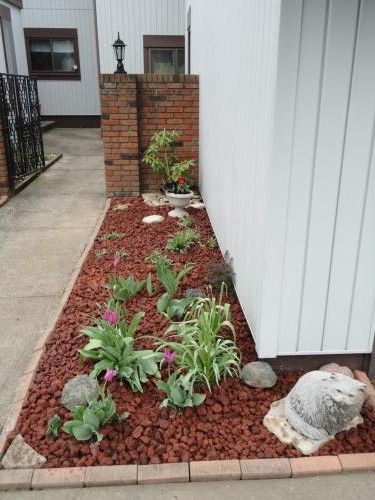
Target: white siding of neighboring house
{"x": 234, "y": 52}
{"x": 68, "y": 97}
{"x": 18, "y": 39}
{"x": 287, "y": 114}
{"x": 133, "y": 19}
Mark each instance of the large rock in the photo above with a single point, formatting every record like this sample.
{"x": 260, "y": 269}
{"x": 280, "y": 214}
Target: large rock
{"x": 20, "y": 455}
{"x": 335, "y": 368}
{"x": 258, "y": 374}
{"x": 322, "y": 404}
{"x": 78, "y": 391}
{"x": 152, "y": 219}
{"x": 276, "y": 422}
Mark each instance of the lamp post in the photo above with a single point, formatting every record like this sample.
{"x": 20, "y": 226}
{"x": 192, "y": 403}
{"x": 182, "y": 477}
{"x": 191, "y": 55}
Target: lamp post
{"x": 119, "y": 50}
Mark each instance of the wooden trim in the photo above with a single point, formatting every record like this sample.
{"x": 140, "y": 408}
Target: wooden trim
{"x": 53, "y": 33}
{"x": 4, "y": 12}
{"x": 4, "y": 47}
{"x": 74, "y": 121}
{"x": 164, "y": 41}
{"x": 16, "y": 3}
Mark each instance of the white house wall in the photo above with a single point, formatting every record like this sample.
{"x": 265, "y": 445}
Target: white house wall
{"x": 133, "y": 19}
{"x": 68, "y": 97}
{"x": 234, "y": 50}
{"x": 326, "y": 206}
{"x": 287, "y": 110}
{"x": 18, "y": 38}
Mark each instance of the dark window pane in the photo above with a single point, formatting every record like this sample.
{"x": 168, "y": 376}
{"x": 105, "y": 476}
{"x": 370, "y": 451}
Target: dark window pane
{"x": 162, "y": 61}
{"x": 63, "y": 55}
{"x": 180, "y": 70}
{"x": 40, "y": 54}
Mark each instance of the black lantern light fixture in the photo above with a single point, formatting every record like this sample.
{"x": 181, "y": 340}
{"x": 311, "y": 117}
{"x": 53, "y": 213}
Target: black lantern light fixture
{"x": 119, "y": 50}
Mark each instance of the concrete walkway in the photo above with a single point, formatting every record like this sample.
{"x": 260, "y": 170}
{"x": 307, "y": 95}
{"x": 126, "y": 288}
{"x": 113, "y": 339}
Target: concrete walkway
{"x": 43, "y": 231}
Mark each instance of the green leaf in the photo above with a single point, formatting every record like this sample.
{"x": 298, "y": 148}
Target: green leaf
{"x": 83, "y": 432}
{"x": 163, "y": 302}
{"x": 91, "y": 419}
{"x": 198, "y": 399}
{"x": 54, "y": 426}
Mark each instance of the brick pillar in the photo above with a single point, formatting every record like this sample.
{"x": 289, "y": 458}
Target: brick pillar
{"x": 4, "y": 181}
{"x": 120, "y": 134}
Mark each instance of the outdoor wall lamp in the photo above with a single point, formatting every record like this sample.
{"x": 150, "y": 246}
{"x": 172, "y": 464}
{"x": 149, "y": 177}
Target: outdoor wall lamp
{"x": 119, "y": 50}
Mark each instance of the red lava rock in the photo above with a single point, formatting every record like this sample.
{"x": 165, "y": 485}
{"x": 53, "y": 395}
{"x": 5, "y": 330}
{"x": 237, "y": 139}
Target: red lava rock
{"x": 137, "y": 432}
{"x": 227, "y": 425}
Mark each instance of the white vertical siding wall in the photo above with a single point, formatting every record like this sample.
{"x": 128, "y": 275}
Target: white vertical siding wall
{"x": 133, "y": 19}
{"x": 18, "y": 38}
{"x": 68, "y": 97}
{"x": 287, "y": 110}
{"x": 327, "y": 294}
{"x": 234, "y": 51}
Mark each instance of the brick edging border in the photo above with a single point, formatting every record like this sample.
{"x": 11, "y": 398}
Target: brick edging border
{"x": 182, "y": 472}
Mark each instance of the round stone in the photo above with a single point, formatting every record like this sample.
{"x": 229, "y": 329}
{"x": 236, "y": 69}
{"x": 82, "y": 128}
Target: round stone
{"x": 258, "y": 374}
{"x": 78, "y": 391}
{"x": 152, "y": 219}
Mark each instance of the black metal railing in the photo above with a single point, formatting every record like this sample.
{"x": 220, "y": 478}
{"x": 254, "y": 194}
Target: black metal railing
{"x": 20, "y": 115}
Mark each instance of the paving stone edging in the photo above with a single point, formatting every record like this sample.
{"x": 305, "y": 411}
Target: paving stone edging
{"x": 182, "y": 472}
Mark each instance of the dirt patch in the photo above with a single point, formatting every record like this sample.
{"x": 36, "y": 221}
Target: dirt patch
{"x": 227, "y": 425}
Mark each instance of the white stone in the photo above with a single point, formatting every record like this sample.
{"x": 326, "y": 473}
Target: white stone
{"x": 197, "y": 205}
{"x": 151, "y": 219}
{"x": 121, "y": 207}
{"x": 258, "y": 374}
{"x": 322, "y": 403}
{"x": 276, "y": 422}
{"x": 20, "y": 455}
{"x": 335, "y": 368}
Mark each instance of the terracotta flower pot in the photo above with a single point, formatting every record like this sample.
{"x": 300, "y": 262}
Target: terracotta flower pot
{"x": 179, "y": 202}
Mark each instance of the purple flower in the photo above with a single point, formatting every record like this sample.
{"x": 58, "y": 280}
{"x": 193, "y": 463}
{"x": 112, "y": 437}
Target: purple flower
{"x": 110, "y": 316}
{"x": 110, "y": 375}
{"x": 116, "y": 261}
{"x": 169, "y": 356}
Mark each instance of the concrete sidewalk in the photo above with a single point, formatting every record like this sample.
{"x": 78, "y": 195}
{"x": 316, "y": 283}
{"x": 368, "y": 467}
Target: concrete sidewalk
{"x": 358, "y": 486}
{"x": 43, "y": 231}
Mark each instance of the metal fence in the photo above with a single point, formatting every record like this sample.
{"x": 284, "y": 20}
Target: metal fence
{"x": 20, "y": 115}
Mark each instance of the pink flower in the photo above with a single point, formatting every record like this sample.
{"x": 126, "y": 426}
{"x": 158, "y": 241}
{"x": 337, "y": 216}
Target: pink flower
{"x": 116, "y": 261}
{"x": 169, "y": 356}
{"x": 110, "y": 316}
{"x": 110, "y": 375}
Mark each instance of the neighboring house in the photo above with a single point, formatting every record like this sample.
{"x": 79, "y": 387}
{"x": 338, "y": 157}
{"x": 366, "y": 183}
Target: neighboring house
{"x": 287, "y": 167}
{"x": 60, "y": 43}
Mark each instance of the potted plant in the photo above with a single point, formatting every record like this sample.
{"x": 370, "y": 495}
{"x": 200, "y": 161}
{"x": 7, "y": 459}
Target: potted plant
{"x": 161, "y": 158}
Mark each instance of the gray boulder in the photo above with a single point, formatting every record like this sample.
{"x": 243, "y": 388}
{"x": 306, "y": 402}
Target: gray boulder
{"x": 78, "y": 391}
{"x": 258, "y": 374}
{"x": 335, "y": 368}
{"x": 20, "y": 455}
{"x": 322, "y": 404}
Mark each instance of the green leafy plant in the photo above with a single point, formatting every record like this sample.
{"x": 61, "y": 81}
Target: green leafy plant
{"x": 185, "y": 222}
{"x": 221, "y": 272}
{"x": 182, "y": 240}
{"x": 101, "y": 253}
{"x": 203, "y": 353}
{"x": 111, "y": 345}
{"x": 160, "y": 156}
{"x": 113, "y": 235}
{"x": 180, "y": 392}
{"x": 156, "y": 256}
{"x": 121, "y": 254}
{"x": 125, "y": 288}
{"x": 54, "y": 426}
{"x": 87, "y": 421}
{"x": 212, "y": 242}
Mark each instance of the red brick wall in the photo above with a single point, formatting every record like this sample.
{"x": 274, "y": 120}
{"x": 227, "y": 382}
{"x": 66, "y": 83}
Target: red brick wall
{"x": 4, "y": 187}
{"x": 133, "y": 108}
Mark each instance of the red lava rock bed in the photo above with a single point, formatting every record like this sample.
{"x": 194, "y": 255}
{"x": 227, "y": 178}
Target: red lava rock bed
{"x": 228, "y": 425}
